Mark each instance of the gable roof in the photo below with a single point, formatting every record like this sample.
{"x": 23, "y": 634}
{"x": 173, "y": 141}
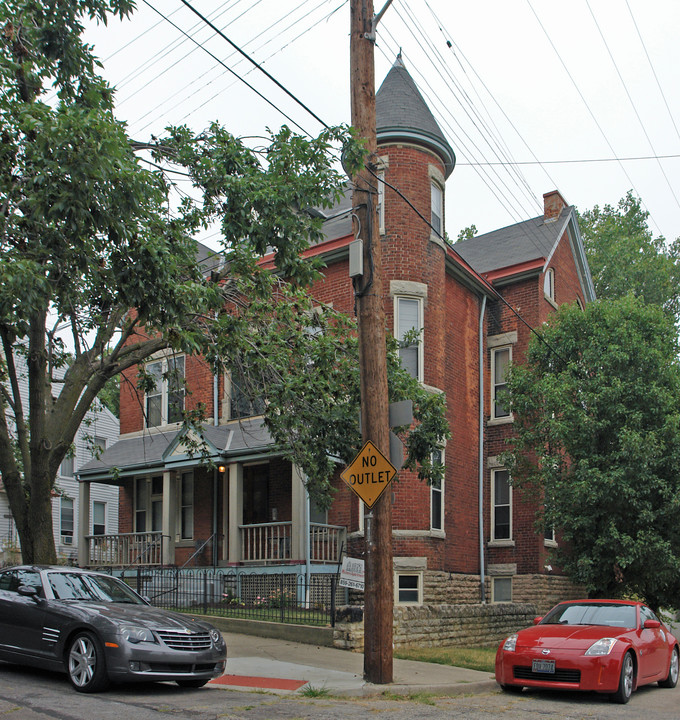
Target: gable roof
{"x": 527, "y": 246}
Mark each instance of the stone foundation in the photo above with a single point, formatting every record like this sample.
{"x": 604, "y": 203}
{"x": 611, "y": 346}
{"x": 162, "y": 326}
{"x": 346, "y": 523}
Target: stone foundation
{"x": 451, "y": 613}
{"x": 439, "y": 625}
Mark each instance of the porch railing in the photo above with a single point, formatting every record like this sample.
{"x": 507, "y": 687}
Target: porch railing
{"x": 266, "y": 542}
{"x": 125, "y": 549}
{"x": 325, "y": 542}
{"x": 271, "y": 542}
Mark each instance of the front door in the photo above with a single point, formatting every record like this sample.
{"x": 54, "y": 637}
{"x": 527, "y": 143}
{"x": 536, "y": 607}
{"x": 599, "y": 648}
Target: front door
{"x": 255, "y": 494}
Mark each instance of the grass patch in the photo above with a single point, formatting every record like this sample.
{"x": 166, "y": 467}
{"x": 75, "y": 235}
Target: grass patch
{"x": 471, "y": 658}
{"x": 313, "y": 692}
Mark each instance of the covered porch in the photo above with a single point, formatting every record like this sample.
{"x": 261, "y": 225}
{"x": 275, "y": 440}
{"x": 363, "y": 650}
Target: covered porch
{"x": 248, "y": 507}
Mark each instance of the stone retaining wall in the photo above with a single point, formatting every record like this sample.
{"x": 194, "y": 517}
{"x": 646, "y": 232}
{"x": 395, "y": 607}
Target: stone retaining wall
{"x": 439, "y": 625}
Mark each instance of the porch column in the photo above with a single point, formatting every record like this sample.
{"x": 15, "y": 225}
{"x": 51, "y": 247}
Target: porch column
{"x": 169, "y": 515}
{"x": 83, "y": 523}
{"x": 235, "y": 511}
{"x": 299, "y": 524}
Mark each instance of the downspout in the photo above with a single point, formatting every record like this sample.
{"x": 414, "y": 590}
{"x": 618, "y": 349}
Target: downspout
{"x": 482, "y": 579}
{"x": 216, "y": 421}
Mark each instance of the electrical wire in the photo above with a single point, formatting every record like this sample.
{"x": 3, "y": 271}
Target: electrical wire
{"x": 635, "y": 110}
{"x": 256, "y": 64}
{"x": 245, "y": 82}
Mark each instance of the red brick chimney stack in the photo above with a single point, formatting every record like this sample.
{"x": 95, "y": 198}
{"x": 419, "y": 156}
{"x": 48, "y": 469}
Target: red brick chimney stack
{"x": 553, "y": 204}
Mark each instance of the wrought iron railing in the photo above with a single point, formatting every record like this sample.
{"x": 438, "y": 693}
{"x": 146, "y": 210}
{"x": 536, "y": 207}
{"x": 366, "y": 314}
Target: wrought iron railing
{"x": 273, "y": 597}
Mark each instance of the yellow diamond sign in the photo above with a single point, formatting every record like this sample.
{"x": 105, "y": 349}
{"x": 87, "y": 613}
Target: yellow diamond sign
{"x": 369, "y": 474}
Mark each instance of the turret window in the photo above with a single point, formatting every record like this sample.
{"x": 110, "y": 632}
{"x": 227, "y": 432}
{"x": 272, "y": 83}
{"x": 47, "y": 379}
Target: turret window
{"x": 409, "y": 324}
{"x": 437, "y": 208}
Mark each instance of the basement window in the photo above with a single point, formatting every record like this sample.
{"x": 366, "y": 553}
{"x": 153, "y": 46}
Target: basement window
{"x": 408, "y": 588}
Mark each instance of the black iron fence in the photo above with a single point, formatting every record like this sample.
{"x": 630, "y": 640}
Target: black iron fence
{"x": 274, "y": 597}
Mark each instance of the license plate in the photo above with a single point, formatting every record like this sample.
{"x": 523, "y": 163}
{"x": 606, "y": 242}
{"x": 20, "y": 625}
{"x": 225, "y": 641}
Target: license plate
{"x": 543, "y": 666}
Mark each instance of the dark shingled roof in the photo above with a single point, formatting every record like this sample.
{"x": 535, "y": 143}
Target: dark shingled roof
{"x": 147, "y": 451}
{"x": 529, "y": 240}
{"x": 403, "y": 115}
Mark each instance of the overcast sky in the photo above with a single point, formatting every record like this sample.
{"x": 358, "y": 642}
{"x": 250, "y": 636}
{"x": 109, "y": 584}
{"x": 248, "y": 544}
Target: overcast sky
{"x": 530, "y": 93}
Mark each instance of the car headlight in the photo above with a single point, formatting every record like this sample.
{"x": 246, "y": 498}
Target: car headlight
{"x": 510, "y": 643}
{"x": 215, "y": 636}
{"x": 601, "y": 647}
{"x": 137, "y": 634}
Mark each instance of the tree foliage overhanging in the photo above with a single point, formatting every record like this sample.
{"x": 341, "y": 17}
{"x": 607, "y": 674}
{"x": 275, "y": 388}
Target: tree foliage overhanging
{"x": 597, "y": 414}
{"x": 88, "y": 232}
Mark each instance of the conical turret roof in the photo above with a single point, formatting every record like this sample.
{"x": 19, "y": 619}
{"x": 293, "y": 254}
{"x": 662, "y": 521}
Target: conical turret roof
{"x": 403, "y": 115}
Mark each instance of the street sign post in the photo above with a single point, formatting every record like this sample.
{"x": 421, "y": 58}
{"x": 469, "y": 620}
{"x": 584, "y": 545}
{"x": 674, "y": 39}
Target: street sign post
{"x": 369, "y": 474}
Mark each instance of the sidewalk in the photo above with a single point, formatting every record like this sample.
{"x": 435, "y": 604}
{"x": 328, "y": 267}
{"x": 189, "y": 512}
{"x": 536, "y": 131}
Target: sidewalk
{"x": 281, "y": 666}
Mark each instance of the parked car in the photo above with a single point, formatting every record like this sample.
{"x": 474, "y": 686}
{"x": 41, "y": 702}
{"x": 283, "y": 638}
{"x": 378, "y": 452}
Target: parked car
{"x": 609, "y": 646}
{"x": 98, "y": 630}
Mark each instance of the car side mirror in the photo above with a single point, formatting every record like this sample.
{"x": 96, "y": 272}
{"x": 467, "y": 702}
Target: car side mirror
{"x": 537, "y": 620}
{"x": 651, "y": 624}
{"x": 28, "y": 591}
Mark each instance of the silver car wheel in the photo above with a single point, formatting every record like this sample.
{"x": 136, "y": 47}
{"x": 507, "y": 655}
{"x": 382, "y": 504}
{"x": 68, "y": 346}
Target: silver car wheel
{"x": 82, "y": 661}
{"x": 673, "y": 674}
{"x": 627, "y": 675}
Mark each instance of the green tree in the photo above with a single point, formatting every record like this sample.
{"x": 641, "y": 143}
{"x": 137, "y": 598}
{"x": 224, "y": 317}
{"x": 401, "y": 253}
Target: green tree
{"x": 625, "y": 259}
{"x": 466, "y": 233}
{"x": 99, "y": 269}
{"x": 597, "y": 415}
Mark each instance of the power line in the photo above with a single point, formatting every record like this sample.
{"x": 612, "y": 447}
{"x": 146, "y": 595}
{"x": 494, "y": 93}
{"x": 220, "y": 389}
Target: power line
{"x": 256, "y": 64}
{"x": 585, "y": 102}
{"x": 635, "y": 110}
{"x": 577, "y": 162}
{"x": 214, "y": 57}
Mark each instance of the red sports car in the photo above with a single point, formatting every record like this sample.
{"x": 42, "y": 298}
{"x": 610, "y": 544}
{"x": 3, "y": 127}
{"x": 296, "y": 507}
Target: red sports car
{"x": 606, "y": 646}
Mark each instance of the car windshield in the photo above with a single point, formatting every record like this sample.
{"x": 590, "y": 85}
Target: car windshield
{"x": 80, "y": 586}
{"x": 611, "y": 614}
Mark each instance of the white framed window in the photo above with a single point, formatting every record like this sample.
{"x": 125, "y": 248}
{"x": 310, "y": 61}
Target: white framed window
{"x": 165, "y": 403}
{"x": 501, "y": 589}
{"x": 549, "y": 284}
{"x": 186, "y": 509}
{"x": 98, "y": 518}
{"x": 408, "y": 588}
{"x": 549, "y": 538}
{"x": 67, "y": 466}
{"x": 408, "y": 313}
{"x": 501, "y": 358}
{"x": 66, "y": 517}
{"x": 437, "y": 496}
{"x": 437, "y": 208}
{"x": 501, "y": 505}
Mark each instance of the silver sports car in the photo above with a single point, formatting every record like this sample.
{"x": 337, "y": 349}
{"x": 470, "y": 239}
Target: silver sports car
{"x": 98, "y": 630}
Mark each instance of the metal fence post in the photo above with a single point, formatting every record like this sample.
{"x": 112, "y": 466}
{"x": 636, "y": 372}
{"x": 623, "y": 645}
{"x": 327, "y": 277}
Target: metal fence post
{"x": 333, "y": 594}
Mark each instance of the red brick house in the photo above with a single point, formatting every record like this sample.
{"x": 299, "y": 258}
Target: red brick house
{"x": 466, "y": 540}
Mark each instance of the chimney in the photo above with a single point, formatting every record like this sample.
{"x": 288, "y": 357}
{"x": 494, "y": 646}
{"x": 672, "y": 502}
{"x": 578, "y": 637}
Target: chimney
{"x": 553, "y": 204}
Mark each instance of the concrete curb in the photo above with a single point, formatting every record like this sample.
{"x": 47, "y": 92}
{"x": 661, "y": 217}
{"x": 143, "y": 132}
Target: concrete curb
{"x": 463, "y": 688}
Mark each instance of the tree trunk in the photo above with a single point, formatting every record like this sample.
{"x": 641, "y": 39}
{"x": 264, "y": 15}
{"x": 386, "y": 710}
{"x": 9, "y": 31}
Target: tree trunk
{"x": 35, "y": 530}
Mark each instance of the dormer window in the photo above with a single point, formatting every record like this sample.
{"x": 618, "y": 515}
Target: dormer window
{"x": 549, "y": 284}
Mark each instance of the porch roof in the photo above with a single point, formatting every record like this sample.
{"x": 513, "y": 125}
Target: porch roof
{"x": 155, "y": 451}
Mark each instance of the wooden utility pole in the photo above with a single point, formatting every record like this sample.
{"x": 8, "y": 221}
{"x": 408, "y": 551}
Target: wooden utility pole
{"x": 379, "y": 602}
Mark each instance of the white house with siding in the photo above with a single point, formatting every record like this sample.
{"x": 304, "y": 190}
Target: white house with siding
{"x": 100, "y": 429}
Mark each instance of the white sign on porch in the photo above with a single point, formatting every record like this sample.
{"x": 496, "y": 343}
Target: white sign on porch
{"x": 352, "y": 573}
